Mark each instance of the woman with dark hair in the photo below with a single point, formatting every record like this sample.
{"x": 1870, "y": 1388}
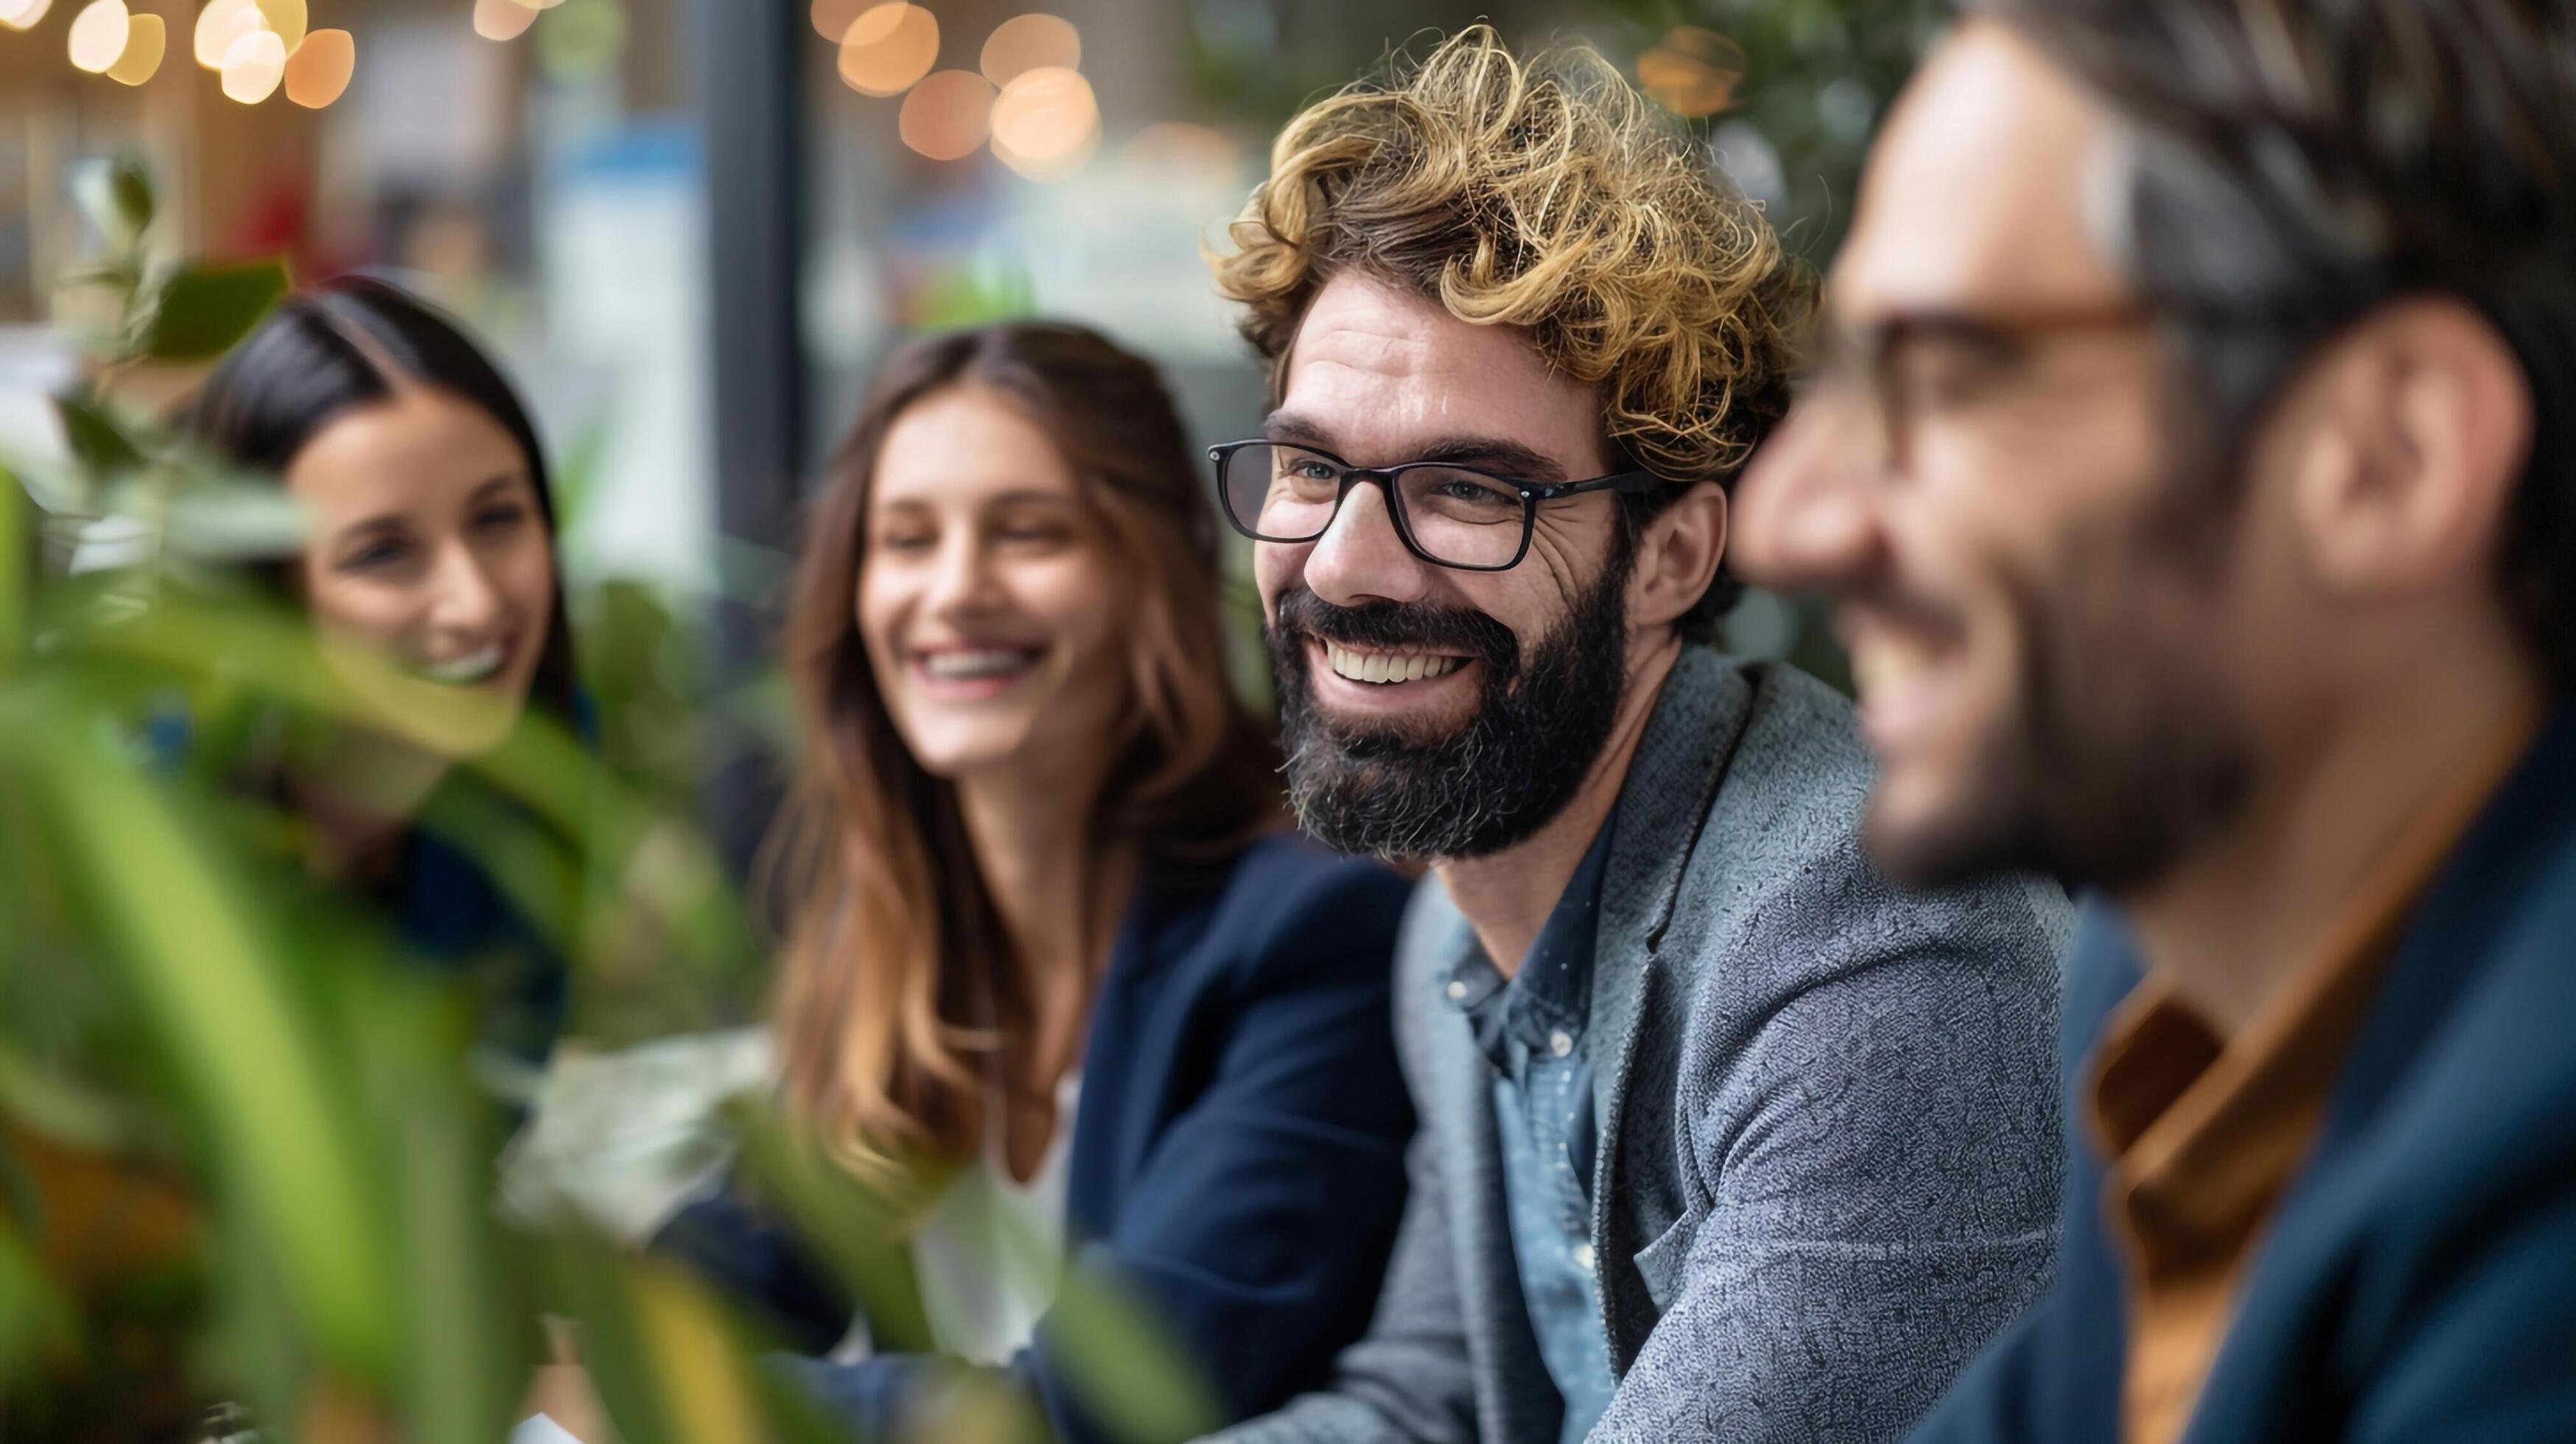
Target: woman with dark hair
{"x": 1058, "y": 976}
{"x": 428, "y": 572}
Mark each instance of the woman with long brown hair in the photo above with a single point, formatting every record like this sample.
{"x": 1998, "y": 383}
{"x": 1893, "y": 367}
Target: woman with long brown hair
{"x": 1056, "y": 969}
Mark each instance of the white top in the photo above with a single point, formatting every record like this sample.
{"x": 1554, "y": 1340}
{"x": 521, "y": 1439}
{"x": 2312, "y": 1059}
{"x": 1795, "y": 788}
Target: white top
{"x": 992, "y": 1253}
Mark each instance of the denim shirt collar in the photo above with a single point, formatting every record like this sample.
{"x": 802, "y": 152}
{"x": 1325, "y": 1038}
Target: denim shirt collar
{"x": 1552, "y": 991}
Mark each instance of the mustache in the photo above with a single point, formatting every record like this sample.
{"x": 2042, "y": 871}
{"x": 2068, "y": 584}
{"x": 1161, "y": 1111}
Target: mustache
{"x": 1388, "y": 626}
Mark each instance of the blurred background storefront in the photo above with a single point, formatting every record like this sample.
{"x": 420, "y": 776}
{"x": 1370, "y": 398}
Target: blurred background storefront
{"x": 693, "y": 226}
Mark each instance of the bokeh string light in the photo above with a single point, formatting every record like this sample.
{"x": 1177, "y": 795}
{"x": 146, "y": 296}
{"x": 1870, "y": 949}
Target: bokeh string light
{"x": 253, "y": 65}
{"x": 503, "y": 19}
{"x": 1030, "y": 104}
{"x": 1030, "y": 42}
{"x": 833, "y": 18}
{"x": 147, "y": 40}
{"x": 98, "y": 35}
{"x": 948, "y": 115}
{"x": 1692, "y": 71}
{"x": 889, "y": 48}
{"x": 320, "y": 68}
{"x": 255, "y": 47}
{"x": 23, "y": 14}
{"x": 214, "y": 32}
{"x": 288, "y": 20}
{"x": 1046, "y": 123}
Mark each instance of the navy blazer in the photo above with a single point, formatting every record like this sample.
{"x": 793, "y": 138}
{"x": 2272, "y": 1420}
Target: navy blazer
{"x": 2418, "y": 1277}
{"x": 1238, "y": 1150}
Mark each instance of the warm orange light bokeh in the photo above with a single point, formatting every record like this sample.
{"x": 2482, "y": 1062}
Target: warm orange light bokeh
{"x": 253, "y": 65}
{"x": 288, "y": 19}
{"x": 1046, "y": 123}
{"x": 1692, "y": 71}
{"x": 214, "y": 32}
{"x": 888, "y": 48}
{"x": 319, "y": 69}
{"x": 1030, "y": 42}
{"x": 98, "y": 35}
{"x": 502, "y": 19}
{"x": 833, "y": 18}
{"x": 147, "y": 40}
{"x": 948, "y": 115}
{"x": 23, "y": 14}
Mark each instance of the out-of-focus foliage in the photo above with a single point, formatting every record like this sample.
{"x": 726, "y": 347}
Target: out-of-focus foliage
{"x": 244, "y": 1159}
{"x": 1815, "y": 77}
{"x": 1803, "y": 85}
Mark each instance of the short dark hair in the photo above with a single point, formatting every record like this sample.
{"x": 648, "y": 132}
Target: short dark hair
{"x": 2295, "y": 165}
{"x": 345, "y": 345}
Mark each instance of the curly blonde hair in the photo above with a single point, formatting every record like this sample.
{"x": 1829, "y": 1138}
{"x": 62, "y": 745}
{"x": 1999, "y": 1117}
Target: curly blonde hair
{"x": 1547, "y": 195}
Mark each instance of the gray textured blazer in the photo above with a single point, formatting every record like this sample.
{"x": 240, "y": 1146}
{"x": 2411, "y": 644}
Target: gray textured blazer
{"x": 1829, "y": 1160}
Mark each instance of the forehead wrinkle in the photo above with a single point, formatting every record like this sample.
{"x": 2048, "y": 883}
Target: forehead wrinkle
{"x": 1383, "y": 372}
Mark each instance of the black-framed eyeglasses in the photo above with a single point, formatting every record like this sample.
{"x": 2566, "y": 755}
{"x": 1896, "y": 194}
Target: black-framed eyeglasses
{"x": 1446, "y": 514}
{"x": 1869, "y": 364}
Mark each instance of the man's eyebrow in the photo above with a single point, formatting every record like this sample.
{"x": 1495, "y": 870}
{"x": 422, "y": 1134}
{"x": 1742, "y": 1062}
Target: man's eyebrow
{"x": 1496, "y": 454}
{"x": 1290, "y": 427}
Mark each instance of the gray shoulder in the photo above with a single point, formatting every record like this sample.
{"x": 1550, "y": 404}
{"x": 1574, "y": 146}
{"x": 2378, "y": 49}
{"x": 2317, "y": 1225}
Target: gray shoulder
{"x": 1785, "y": 891}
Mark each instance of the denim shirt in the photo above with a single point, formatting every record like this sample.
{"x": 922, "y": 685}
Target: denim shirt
{"x": 1532, "y": 1027}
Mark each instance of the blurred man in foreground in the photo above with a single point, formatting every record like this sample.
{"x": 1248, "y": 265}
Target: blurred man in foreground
{"x": 1722, "y": 1135}
{"x": 2195, "y": 467}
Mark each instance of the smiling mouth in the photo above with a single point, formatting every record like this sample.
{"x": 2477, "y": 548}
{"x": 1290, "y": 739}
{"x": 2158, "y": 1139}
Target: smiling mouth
{"x": 470, "y": 670}
{"x": 978, "y": 664}
{"x": 1388, "y": 669}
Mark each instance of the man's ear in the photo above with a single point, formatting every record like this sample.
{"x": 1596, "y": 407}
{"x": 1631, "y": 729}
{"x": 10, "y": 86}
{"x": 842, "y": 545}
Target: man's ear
{"x": 2431, "y": 423}
{"x": 1677, "y": 556}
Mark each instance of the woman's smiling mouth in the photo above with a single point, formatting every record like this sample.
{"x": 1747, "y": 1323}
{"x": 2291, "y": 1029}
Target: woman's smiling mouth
{"x": 472, "y": 669}
{"x": 976, "y": 672}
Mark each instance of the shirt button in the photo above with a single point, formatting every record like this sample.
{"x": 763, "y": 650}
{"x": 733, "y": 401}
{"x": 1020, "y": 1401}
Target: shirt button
{"x": 1560, "y": 1042}
{"x": 1583, "y": 1257}
{"x": 1457, "y": 990}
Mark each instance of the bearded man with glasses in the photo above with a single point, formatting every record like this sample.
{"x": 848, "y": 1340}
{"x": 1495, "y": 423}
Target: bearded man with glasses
{"x": 1723, "y": 1135}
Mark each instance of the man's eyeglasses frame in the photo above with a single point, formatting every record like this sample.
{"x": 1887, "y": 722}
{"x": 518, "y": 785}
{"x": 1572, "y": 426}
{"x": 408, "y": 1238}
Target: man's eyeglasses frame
{"x": 1625, "y": 483}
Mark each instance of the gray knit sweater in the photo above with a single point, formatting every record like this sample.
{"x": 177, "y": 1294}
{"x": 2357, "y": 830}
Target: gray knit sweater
{"x": 1829, "y": 1158}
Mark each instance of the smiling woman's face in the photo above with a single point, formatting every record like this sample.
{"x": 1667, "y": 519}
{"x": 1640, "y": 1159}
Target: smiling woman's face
{"x": 428, "y": 551}
{"x": 988, "y": 597}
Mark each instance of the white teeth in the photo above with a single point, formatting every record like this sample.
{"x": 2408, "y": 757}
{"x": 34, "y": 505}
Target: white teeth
{"x": 1388, "y": 667}
{"x": 968, "y": 665}
{"x": 465, "y": 671}
{"x": 1882, "y": 666}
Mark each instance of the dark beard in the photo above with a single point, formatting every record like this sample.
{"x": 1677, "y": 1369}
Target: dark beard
{"x": 2121, "y": 754}
{"x": 1538, "y": 727}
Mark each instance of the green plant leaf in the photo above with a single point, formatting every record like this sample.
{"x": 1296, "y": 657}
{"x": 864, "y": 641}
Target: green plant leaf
{"x": 465, "y": 1376}
{"x": 63, "y": 1109}
{"x": 16, "y": 544}
{"x": 118, "y": 196}
{"x": 205, "y": 310}
{"x": 231, "y": 520}
{"x": 32, "y": 1313}
{"x": 203, "y": 971}
{"x": 96, "y": 438}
